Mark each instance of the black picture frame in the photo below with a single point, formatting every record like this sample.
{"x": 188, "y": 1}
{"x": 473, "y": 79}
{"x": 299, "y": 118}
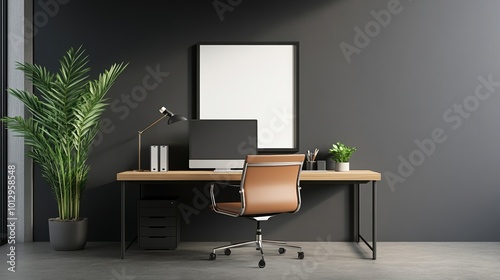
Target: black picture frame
{"x": 252, "y": 80}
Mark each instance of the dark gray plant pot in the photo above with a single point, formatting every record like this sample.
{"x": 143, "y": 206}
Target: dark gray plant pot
{"x": 68, "y": 235}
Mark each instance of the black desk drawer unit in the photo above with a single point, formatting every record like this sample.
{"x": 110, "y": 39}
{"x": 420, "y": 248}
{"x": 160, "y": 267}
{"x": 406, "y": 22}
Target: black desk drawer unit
{"x": 159, "y": 226}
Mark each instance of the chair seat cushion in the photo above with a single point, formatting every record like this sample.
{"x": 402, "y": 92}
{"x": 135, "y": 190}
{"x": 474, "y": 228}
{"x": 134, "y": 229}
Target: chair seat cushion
{"x": 232, "y": 208}
{"x": 235, "y": 208}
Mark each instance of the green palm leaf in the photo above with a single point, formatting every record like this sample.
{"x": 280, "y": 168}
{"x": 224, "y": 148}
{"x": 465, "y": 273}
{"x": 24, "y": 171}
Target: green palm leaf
{"x": 64, "y": 120}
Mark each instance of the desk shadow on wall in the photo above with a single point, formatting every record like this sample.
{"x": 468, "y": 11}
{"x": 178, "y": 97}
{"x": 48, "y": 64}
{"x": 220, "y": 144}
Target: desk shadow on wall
{"x": 102, "y": 206}
{"x": 326, "y": 215}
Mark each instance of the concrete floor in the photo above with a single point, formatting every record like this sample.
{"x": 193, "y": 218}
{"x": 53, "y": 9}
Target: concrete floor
{"x": 323, "y": 260}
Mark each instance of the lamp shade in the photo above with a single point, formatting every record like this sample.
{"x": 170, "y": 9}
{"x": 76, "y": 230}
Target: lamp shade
{"x": 171, "y": 119}
{"x": 176, "y": 118}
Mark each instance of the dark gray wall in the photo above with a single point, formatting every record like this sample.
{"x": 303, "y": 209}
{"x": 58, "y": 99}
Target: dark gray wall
{"x": 404, "y": 81}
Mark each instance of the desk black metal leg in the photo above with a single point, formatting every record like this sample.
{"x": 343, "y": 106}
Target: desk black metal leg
{"x": 356, "y": 213}
{"x": 122, "y": 244}
{"x": 374, "y": 219}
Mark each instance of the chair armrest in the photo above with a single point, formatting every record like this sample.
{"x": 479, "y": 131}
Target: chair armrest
{"x": 222, "y": 185}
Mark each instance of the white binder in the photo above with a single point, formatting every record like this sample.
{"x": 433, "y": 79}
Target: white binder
{"x": 154, "y": 158}
{"x": 163, "y": 158}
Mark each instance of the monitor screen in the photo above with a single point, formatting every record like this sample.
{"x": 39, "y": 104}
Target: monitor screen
{"x": 221, "y": 144}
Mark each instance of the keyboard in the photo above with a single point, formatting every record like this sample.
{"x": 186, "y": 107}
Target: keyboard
{"x": 228, "y": 171}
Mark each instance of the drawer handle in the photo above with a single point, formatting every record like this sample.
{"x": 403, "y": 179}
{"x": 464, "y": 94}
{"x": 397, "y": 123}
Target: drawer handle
{"x": 157, "y": 217}
{"x": 157, "y": 227}
{"x": 157, "y": 237}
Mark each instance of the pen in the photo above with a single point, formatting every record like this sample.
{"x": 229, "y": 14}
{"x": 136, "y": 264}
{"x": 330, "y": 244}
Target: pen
{"x": 316, "y": 150}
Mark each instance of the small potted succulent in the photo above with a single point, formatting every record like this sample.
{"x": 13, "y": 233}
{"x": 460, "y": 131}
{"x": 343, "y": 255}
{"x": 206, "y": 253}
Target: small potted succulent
{"x": 341, "y": 154}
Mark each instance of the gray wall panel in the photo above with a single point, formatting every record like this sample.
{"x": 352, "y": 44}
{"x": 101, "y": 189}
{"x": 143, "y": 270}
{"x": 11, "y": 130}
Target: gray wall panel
{"x": 413, "y": 78}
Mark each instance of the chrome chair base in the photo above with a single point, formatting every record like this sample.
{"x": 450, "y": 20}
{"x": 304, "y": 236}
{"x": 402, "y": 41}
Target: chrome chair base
{"x": 258, "y": 243}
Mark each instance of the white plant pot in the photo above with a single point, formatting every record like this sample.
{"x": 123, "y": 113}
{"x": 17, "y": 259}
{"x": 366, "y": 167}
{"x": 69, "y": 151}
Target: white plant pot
{"x": 341, "y": 166}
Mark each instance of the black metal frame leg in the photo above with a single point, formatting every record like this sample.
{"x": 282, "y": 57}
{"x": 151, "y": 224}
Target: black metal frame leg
{"x": 122, "y": 244}
{"x": 372, "y": 246}
{"x": 374, "y": 220}
{"x": 356, "y": 213}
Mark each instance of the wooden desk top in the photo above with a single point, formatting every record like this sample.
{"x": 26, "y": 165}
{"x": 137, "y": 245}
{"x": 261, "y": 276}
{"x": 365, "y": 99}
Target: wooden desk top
{"x": 204, "y": 175}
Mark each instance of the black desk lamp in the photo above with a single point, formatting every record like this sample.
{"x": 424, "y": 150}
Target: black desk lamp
{"x": 166, "y": 113}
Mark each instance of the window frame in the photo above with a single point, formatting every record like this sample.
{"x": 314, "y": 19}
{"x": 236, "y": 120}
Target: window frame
{"x": 3, "y": 131}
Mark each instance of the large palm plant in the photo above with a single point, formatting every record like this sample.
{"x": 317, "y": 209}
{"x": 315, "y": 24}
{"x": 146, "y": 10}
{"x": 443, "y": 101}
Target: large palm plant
{"x": 65, "y": 117}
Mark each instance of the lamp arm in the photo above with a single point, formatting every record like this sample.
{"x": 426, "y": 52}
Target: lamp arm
{"x": 155, "y": 122}
{"x": 166, "y": 113}
{"x": 140, "y": 140}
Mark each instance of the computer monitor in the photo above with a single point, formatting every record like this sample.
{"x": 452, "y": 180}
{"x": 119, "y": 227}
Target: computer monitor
{"x": 221, "y": 144}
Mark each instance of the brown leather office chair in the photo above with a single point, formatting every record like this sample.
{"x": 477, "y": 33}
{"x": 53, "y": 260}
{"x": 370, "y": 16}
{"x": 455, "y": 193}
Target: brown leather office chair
{"x": 269, "y": 186}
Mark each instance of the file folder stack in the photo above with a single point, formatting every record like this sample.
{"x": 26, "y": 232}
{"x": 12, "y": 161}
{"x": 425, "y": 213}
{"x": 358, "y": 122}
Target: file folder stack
{"x": 159, "y": 158}
{"x": 154, "y": 158}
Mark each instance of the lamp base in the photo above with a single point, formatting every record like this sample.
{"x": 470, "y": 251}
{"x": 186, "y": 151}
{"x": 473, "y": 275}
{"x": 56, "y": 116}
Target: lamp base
{"x": 141, "y": 170}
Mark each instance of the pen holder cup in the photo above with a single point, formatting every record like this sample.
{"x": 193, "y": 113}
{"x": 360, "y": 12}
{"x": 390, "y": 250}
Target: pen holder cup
{"x": 310, "y": 165}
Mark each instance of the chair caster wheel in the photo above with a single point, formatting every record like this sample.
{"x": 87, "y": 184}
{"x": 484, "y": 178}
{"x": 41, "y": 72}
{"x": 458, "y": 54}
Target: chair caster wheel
{"x": 262, "y": 264}
{"x": 227, "y": 252}
{"x": 282, "y": 250}
{"x": 300, "y": 255}
{"x": 213, "y": 256}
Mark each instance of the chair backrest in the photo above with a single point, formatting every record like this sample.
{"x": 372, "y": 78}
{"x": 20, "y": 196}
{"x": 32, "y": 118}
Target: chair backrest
{"x": 270, "y": 184}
